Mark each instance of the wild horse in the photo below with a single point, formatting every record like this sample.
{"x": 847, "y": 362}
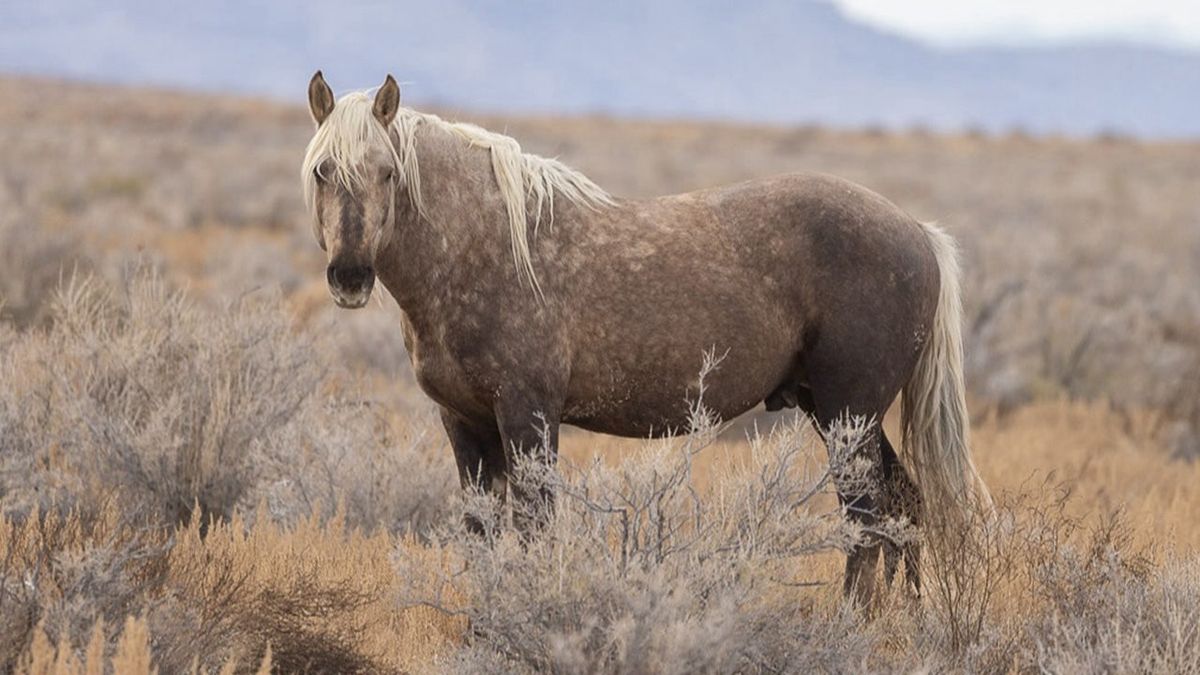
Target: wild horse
{"x": 530, "y": 297}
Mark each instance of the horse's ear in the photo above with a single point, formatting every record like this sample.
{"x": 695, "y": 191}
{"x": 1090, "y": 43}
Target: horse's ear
{"x": 387, "y": 101}
{"x": 320, "y": 98}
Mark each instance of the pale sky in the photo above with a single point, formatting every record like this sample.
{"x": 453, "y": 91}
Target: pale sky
{"x": 966, "y": 22}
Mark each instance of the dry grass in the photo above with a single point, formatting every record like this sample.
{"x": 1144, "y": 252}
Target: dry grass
{"x": 313, "y": 597}
{"x": 131, "y": 654}
{"x": 195, "y": 361}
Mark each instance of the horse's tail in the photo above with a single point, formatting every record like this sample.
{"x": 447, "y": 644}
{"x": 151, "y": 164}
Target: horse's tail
{"x": 934, "y": 407}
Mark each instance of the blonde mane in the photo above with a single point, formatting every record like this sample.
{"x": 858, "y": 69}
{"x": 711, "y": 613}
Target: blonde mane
{"x": 527, "y": 183}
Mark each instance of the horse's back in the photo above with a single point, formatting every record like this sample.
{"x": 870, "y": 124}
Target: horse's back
{"x": 830, "y": 248}
{"x": 753, "y": 271}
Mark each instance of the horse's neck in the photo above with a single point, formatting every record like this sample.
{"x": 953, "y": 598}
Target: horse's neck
{"x": 463, "y": 232}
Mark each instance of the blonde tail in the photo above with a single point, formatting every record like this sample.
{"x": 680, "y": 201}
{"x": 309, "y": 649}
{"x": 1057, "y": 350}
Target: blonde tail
{"x": 934, "y": 407}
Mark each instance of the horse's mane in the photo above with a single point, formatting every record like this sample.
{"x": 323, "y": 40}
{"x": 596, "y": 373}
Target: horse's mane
{"x": 524, "y": 180}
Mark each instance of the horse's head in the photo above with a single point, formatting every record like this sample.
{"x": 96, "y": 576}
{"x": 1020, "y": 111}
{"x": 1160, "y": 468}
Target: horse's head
{"x": 352, "y": 175}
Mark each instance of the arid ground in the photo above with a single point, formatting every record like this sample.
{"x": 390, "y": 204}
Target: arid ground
{"x": 205, "y": 465}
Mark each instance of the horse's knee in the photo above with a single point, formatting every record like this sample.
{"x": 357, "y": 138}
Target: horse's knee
{"x": 533, "y": 507}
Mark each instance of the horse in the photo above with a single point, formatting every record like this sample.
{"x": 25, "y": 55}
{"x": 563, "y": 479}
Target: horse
{"x": 530, "y": 297}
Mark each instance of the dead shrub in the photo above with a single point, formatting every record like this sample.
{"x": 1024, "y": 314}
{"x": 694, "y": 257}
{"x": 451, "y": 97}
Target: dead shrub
{"x": 66, "y": 575}
{"x": 636, "y": 571}
{"x": 131, "y": 655}
{"x": 315, "y": 593}
{"x": 346, "y": 454}
{"x": 316, "y": 597}
{"x": 140, "y": 391}
{"x": 1109, "y": 610}
{"x": 135, "y": 426}
{"x": 32, "y": 262}
{"x": 997, "y": 596}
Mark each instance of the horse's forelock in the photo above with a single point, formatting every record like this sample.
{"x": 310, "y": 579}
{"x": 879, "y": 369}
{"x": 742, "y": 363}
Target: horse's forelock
{"x": 341, "y": 144}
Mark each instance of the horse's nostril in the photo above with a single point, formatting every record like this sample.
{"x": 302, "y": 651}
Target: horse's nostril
{"x": 350, "y": 277}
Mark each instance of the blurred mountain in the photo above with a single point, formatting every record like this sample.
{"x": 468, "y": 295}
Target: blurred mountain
{"x": 788, "y": 61}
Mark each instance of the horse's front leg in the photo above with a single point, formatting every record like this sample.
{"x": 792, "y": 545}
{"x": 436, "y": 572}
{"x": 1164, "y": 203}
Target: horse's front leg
{"x": 480, "y": 457}
{"x": 528, "y": 426}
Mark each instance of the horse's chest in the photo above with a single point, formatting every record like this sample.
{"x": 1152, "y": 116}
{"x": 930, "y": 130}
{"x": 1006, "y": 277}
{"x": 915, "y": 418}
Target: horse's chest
{"x": 446, "y": 379}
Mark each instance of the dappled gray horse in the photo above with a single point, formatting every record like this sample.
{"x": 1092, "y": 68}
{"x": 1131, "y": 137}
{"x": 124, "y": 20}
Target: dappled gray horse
{"x": 530, "y": 298}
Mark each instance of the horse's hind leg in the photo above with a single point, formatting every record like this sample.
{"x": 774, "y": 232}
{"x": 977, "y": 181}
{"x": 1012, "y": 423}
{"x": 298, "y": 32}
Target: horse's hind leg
{"x": 912, "y": 566}
{"x": 843, "y": 385}
{"x": 900, "y": 499}
{"x": 892, "y": 553}
{"x": 861, "y": 562}
{"x": 861, "y": 501}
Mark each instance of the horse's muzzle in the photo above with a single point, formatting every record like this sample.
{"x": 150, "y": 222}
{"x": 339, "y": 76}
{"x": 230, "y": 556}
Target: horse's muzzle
{"x": 350, "y": 285}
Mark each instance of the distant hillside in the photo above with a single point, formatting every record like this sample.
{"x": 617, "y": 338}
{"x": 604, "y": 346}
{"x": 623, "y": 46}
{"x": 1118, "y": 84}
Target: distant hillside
{"x": 767, "y": 60}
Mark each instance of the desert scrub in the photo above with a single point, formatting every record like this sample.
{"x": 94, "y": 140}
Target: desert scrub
{"x": 313, "y": 597}
{"x": 134, "y": 389}
{"x": 634, "y": 570}
{"x": 137, "y": 390}
{"x": 131, "y": 655}
{"x": 32, "y": 262}
{"x": 135, "y": 426}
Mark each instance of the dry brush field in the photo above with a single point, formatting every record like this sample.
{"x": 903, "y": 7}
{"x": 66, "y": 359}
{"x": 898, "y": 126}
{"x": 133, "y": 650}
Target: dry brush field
{"x": 205, "y": 466}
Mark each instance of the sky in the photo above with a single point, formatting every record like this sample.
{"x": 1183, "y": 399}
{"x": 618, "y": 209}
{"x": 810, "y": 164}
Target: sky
{"x": 1017, "y": 22}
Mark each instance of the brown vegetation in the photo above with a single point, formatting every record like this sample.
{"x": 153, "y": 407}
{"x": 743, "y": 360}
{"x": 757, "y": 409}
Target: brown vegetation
{"x": 204, "y": 467}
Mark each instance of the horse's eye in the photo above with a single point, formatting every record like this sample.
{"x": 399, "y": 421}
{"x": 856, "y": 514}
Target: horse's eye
{"x": 387, "y": 175}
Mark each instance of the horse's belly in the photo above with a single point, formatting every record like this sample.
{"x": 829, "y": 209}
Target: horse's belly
{"x": 657, "y": 398}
